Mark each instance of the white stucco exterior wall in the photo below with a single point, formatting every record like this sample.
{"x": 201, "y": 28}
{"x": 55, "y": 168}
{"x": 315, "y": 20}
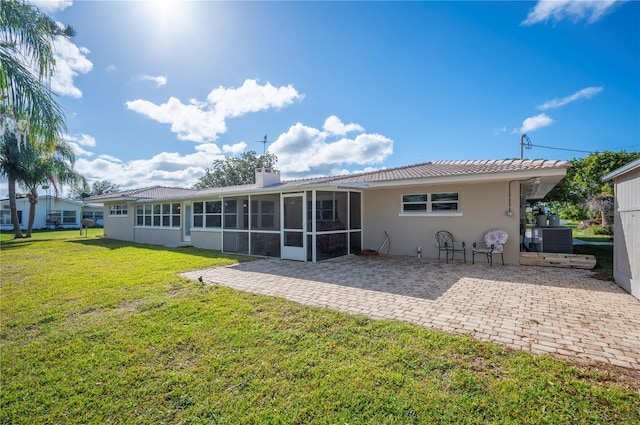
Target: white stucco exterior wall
{"x": 482, "y": 206}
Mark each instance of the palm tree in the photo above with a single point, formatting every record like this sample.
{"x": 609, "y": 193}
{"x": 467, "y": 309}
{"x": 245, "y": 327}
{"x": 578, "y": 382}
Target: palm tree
{"x": 604, "y": 204}
{"x": 54, "y": 168}
{"x": 26, "y": 45}
{"x": 28, "y": 111}
{"x": 12, "y": 167}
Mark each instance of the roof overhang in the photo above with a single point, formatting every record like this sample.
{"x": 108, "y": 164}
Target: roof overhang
{"x": 536, "y": 183}
{"x": 622, "y": 170}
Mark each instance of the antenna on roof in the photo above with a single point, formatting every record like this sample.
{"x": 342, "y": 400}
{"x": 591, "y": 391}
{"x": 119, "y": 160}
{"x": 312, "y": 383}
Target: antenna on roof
{"x": 523, "y": 145}
{"x": 264, "y": 142}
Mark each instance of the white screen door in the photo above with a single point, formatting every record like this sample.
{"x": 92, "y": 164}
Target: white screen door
{"x": 293, "y": 222}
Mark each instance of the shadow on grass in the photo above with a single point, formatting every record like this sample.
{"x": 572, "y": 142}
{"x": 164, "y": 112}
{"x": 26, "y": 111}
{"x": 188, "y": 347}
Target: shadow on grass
{"x": 19, "y": 243}
{"x": 200, "y": 252}
{"x": 604, "y": 258}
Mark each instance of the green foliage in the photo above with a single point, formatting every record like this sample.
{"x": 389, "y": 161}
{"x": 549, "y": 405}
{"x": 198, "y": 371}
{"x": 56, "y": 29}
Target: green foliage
{"x": 604, "y": 258}
{"x": 567, "y": 210}
{"x": 99, "y": 331}
{"x": 99, "y": 187}
{"x": 235, "y": 170}
{"x": 583, "y": 180}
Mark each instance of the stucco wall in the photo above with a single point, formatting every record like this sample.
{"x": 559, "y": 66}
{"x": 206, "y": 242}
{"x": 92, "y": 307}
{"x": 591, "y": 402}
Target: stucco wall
{"x": 206, "y": 239}
{"x": 158, "y": 236}
{"x": 626, "y": 250}
{"x": 482, "y": 205}
{"x": 118, "y": 227}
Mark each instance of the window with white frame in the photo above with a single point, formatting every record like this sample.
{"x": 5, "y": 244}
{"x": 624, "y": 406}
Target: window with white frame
{"x": 5, "y": 216}
{"x": 422, "y": 203}
{"x": 119, "y": 209}
{"x": 158, "y": 215}
{"x": 69, "y": 217}
{"x": 207, "y": 214}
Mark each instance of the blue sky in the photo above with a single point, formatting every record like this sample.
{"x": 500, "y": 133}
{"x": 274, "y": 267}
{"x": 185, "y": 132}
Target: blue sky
{"x": 155, "y": 91}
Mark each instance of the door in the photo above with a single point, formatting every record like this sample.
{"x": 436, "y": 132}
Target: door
{"x": 293, "y": 225}
{"x": 186, "y": 237}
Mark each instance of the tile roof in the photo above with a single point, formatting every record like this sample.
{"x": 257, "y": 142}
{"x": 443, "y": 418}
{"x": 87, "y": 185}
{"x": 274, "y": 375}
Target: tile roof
{"x": 152, "y": 192}
{"x": 432, "y": 169}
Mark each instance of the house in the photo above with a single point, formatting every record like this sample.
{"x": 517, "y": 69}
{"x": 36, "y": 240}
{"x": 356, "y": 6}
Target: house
{"x": 51, "y": 213}
{"x": 626, "y": 230}
{"x": 319, "y": 218}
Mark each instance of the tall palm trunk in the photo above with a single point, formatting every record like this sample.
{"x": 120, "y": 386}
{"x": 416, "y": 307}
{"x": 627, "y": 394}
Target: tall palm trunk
{"x": 13, "y": 207}
{"x": 33, "y": 200}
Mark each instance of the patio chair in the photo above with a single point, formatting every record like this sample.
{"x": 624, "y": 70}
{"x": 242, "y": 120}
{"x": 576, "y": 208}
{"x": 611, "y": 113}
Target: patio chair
{"x": 493, "y": 243}
{"x": 448, "y": 244}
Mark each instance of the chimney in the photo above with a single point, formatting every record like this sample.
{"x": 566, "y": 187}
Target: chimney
{"x": 267, "y": 177}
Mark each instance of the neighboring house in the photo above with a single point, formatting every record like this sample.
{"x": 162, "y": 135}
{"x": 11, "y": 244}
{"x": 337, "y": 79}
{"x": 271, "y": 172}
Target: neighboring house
{"x": 51, "y": 213}
{"x": 320, "y": 218}
{"x": 626, "y": 227}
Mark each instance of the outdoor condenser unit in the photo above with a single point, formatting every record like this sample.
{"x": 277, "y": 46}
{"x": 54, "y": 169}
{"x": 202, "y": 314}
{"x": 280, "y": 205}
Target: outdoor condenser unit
{"x": 552, "y": 239}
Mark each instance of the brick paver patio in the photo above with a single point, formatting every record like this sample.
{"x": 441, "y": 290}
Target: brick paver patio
{"x": 563, "y": 312}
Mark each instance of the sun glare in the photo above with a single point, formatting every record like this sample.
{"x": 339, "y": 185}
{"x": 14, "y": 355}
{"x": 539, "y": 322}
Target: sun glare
{"x": 169, "y": 21}
{"x": 166, "y": 9}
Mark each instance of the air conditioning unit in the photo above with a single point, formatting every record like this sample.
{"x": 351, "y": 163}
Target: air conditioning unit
{"x": 553, "y": 239}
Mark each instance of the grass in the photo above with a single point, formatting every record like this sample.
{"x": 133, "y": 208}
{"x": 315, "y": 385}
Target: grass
{"x": 95, "y": 331}
{"x": 590, "y": 234}
{"x": 604, "y": 258}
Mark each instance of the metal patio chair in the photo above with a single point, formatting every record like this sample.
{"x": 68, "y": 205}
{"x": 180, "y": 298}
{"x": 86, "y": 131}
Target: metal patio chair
{"x": 448, "y": 244}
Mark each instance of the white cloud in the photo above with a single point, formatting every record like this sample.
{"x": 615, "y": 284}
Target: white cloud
{"x": 534, "y": 123}
{"x": 81, "y": 139}
{"x": 586, "y": 93}
{"x": 71, "y": 60}
{"x": 110, "y": 68}
{"x": 189, "y": 122}
{"x": 79, "y": 151}
{"x": 251, "y": 97}
{"x": 334, "y": 125}
{"x": 203, "y": 121}
{"x": 500, "y": 130}
{"x": 50, "y": 6}
{"x": 160, "y": 80}
{"x": 166, "y": 169}
{"x": 307, "y": 151}
{"x": 574, "y": 10}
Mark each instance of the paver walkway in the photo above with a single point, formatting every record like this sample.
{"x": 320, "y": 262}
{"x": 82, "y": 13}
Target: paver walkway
{"x": 563, "y": 312}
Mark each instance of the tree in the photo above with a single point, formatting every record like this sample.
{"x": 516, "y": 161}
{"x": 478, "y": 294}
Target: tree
{"x": 234, "y": 171}
{"x": 13, "y": 169}
{"x": 26, "y": 53}
{"x": 582, "y": 187}
{"x": 42, "y": 167}
{"x": 99, "y": 187}
{"x": 603, "y": 204}
{"x": 28, "y": 111}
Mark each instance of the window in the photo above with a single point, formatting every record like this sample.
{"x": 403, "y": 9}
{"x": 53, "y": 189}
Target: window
{"x": 68, "y": 217}
{"x": 158, "y": 215}
{"x": 93, "y": 215}
{"x": 5, "y": 216}
{"x": 236, "y": 213}
{"x": 120, "y": 209}
{"x": 265, "y": 212}
{"x": 444, "y": 201}
{"x": 447, "y": 202}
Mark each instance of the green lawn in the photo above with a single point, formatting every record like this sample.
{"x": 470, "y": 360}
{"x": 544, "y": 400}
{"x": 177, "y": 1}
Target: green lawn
{"x": 94, "y": 331}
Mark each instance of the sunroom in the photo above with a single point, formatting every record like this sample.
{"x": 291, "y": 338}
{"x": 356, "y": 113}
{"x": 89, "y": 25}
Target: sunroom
{"x": 310, "y": 225}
